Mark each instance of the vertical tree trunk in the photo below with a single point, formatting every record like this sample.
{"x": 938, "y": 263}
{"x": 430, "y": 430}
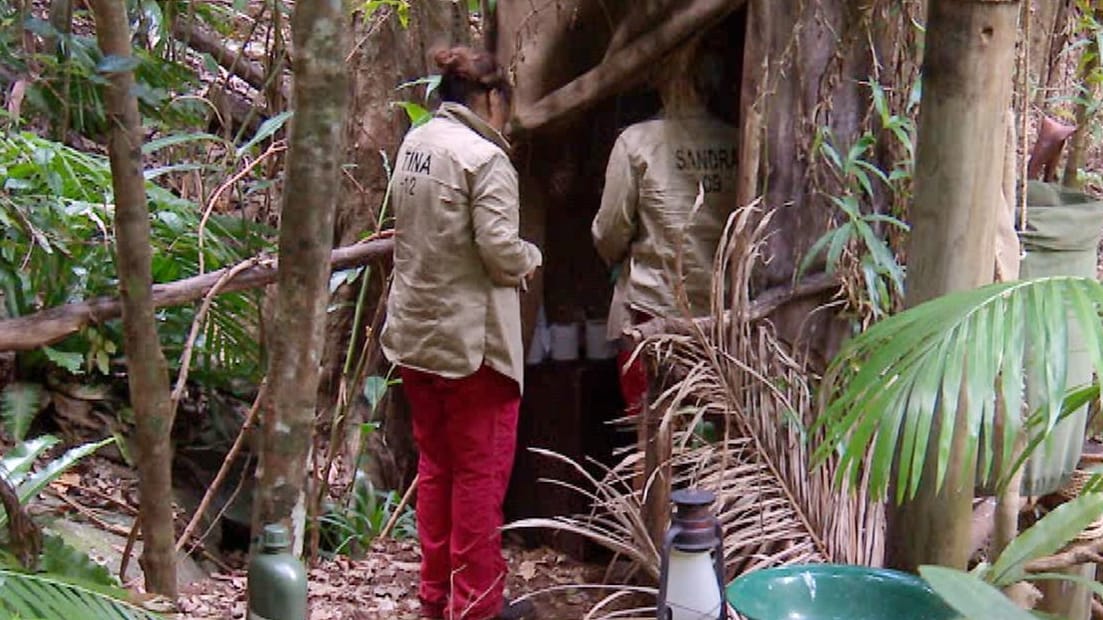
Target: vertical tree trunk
{"x": 1043, "y": 37}
{"x": 1063, "y": 25}
{"x": 61, "y": 18}
{"x": 966, "y": 94}
{"x": 147, "y": 372}
{"x": 320, "y": 91}
{"x": 385, "y": 55}
{"x": 752, "y": 100}
{"x": 1078, "y": 144}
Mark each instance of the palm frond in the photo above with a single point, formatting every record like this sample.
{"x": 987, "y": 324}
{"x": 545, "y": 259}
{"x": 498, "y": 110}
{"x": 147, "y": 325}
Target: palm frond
{"x": 46, "y": 597}
{"x": 775, "y": 507}
{"x": 956, "y": 355}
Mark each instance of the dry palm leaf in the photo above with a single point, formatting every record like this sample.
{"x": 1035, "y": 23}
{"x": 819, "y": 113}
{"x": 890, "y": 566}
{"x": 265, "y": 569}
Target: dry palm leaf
{"x": 775, "y": 508}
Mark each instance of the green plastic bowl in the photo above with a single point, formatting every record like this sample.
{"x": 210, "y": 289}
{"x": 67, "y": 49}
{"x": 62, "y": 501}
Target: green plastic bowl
{"x": 835, "y": 592}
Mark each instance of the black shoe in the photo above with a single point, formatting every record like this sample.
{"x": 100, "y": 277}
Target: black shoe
{"x": 517, "y": 610}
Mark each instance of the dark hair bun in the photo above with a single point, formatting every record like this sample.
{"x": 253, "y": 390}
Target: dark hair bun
{"x": 448, "y": 60}
{"x": 464, "y": 71}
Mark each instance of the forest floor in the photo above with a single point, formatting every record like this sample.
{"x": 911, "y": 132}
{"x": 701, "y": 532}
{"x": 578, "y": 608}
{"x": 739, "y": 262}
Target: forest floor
{"x": 99, "y": 498}
{"x": 383, "y": 585}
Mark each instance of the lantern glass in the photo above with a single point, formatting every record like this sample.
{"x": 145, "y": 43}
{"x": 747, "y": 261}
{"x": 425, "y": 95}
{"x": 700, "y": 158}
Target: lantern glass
{"x": 692, "y": 590}
{"x": 691, "y": 571}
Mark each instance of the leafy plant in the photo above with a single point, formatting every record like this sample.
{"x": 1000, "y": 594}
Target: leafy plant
{"x": 955, "y": 355}
{"x": 19, "y": 404}
{"x": 976, "y": 594}
{"x": 353, "y": 527}
{"x": 62, "y": 560}
{"x": 375, "y": 388}
{"x": 49, "y": 597}
{"x": 400, "y": 7}
{"x": 70, "y": 585}
{"x": 16, "y": 465}
{"x": 416, "y": 112}
{"x": 856, "y": 173}
{"x": 70, "y": 80}
{"x": 971, "y": 596}
{"x": 882, "y": 274}
{"x": 57, "y": 247}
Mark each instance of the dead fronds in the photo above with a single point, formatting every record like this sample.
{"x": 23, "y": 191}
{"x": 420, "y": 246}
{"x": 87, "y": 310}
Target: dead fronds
{"x": 738, "y": 406}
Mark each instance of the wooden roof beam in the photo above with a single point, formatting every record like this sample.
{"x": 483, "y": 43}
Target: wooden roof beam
{"x": 625, "y": 65}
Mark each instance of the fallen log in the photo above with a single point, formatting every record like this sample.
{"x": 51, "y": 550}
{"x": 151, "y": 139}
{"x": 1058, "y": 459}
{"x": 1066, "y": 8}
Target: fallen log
{"x": 53, "y": 324}
{"x": 235, "y": 112}
{"x": 759, "y": 308}
{"x": 203, "y": 41}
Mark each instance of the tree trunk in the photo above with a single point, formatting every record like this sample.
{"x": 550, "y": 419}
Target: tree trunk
{"x": 385, "y": 55}
{"x": 1043, "y": 35}
{"x": 966, "y": 94}
{"x": 61, "y": 19}
{"x": 1078, "y": 144}
{"x": 1063, "y": 25}
{"x": 147, "y": 372}
{"x": 319, "y": 94}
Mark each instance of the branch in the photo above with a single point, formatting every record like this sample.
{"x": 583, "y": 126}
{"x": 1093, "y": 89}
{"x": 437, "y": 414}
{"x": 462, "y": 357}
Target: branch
{"x": 761, "y": 307}
{"x": 1088, "y": 552}
{"x": 49, "y": 326}
{"x": 641, "y": 18}
{"x": 625, "y": 65}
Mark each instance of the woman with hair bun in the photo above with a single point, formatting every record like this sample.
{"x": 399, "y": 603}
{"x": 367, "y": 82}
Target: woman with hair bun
{"x": 454, "y": 330}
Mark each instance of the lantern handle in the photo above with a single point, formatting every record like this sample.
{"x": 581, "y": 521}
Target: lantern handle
{"x": 662, "y": 612}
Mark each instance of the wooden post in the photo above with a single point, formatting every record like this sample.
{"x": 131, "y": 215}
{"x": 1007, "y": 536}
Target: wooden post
{"x": 655, "y": 442}
{"x": 966, "y": 94}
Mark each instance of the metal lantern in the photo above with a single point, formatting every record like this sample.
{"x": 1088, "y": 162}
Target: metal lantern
{"x": 691, "y": 576}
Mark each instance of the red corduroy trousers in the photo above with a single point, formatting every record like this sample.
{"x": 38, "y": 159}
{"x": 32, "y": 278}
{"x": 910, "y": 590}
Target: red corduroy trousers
{"x": 633, "y": 377}
{"x": 466, "y": 433}
{"x": 633, "y": 382}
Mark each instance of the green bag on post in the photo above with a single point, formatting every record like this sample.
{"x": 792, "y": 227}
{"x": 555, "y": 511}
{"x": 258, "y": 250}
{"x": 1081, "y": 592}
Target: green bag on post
{"x": 1062, "y": 234}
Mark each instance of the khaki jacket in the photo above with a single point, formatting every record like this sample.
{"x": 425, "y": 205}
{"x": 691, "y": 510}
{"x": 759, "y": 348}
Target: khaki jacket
{"x": 647, "y": 214}
{"x": 458, "y": 260}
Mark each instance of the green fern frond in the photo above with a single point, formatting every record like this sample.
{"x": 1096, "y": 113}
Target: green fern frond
{"x": 47, "y": 597}
{"x": 16, "y": 464}
{"x": 19, "y": 404}
{"x": 956, "y": 355}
